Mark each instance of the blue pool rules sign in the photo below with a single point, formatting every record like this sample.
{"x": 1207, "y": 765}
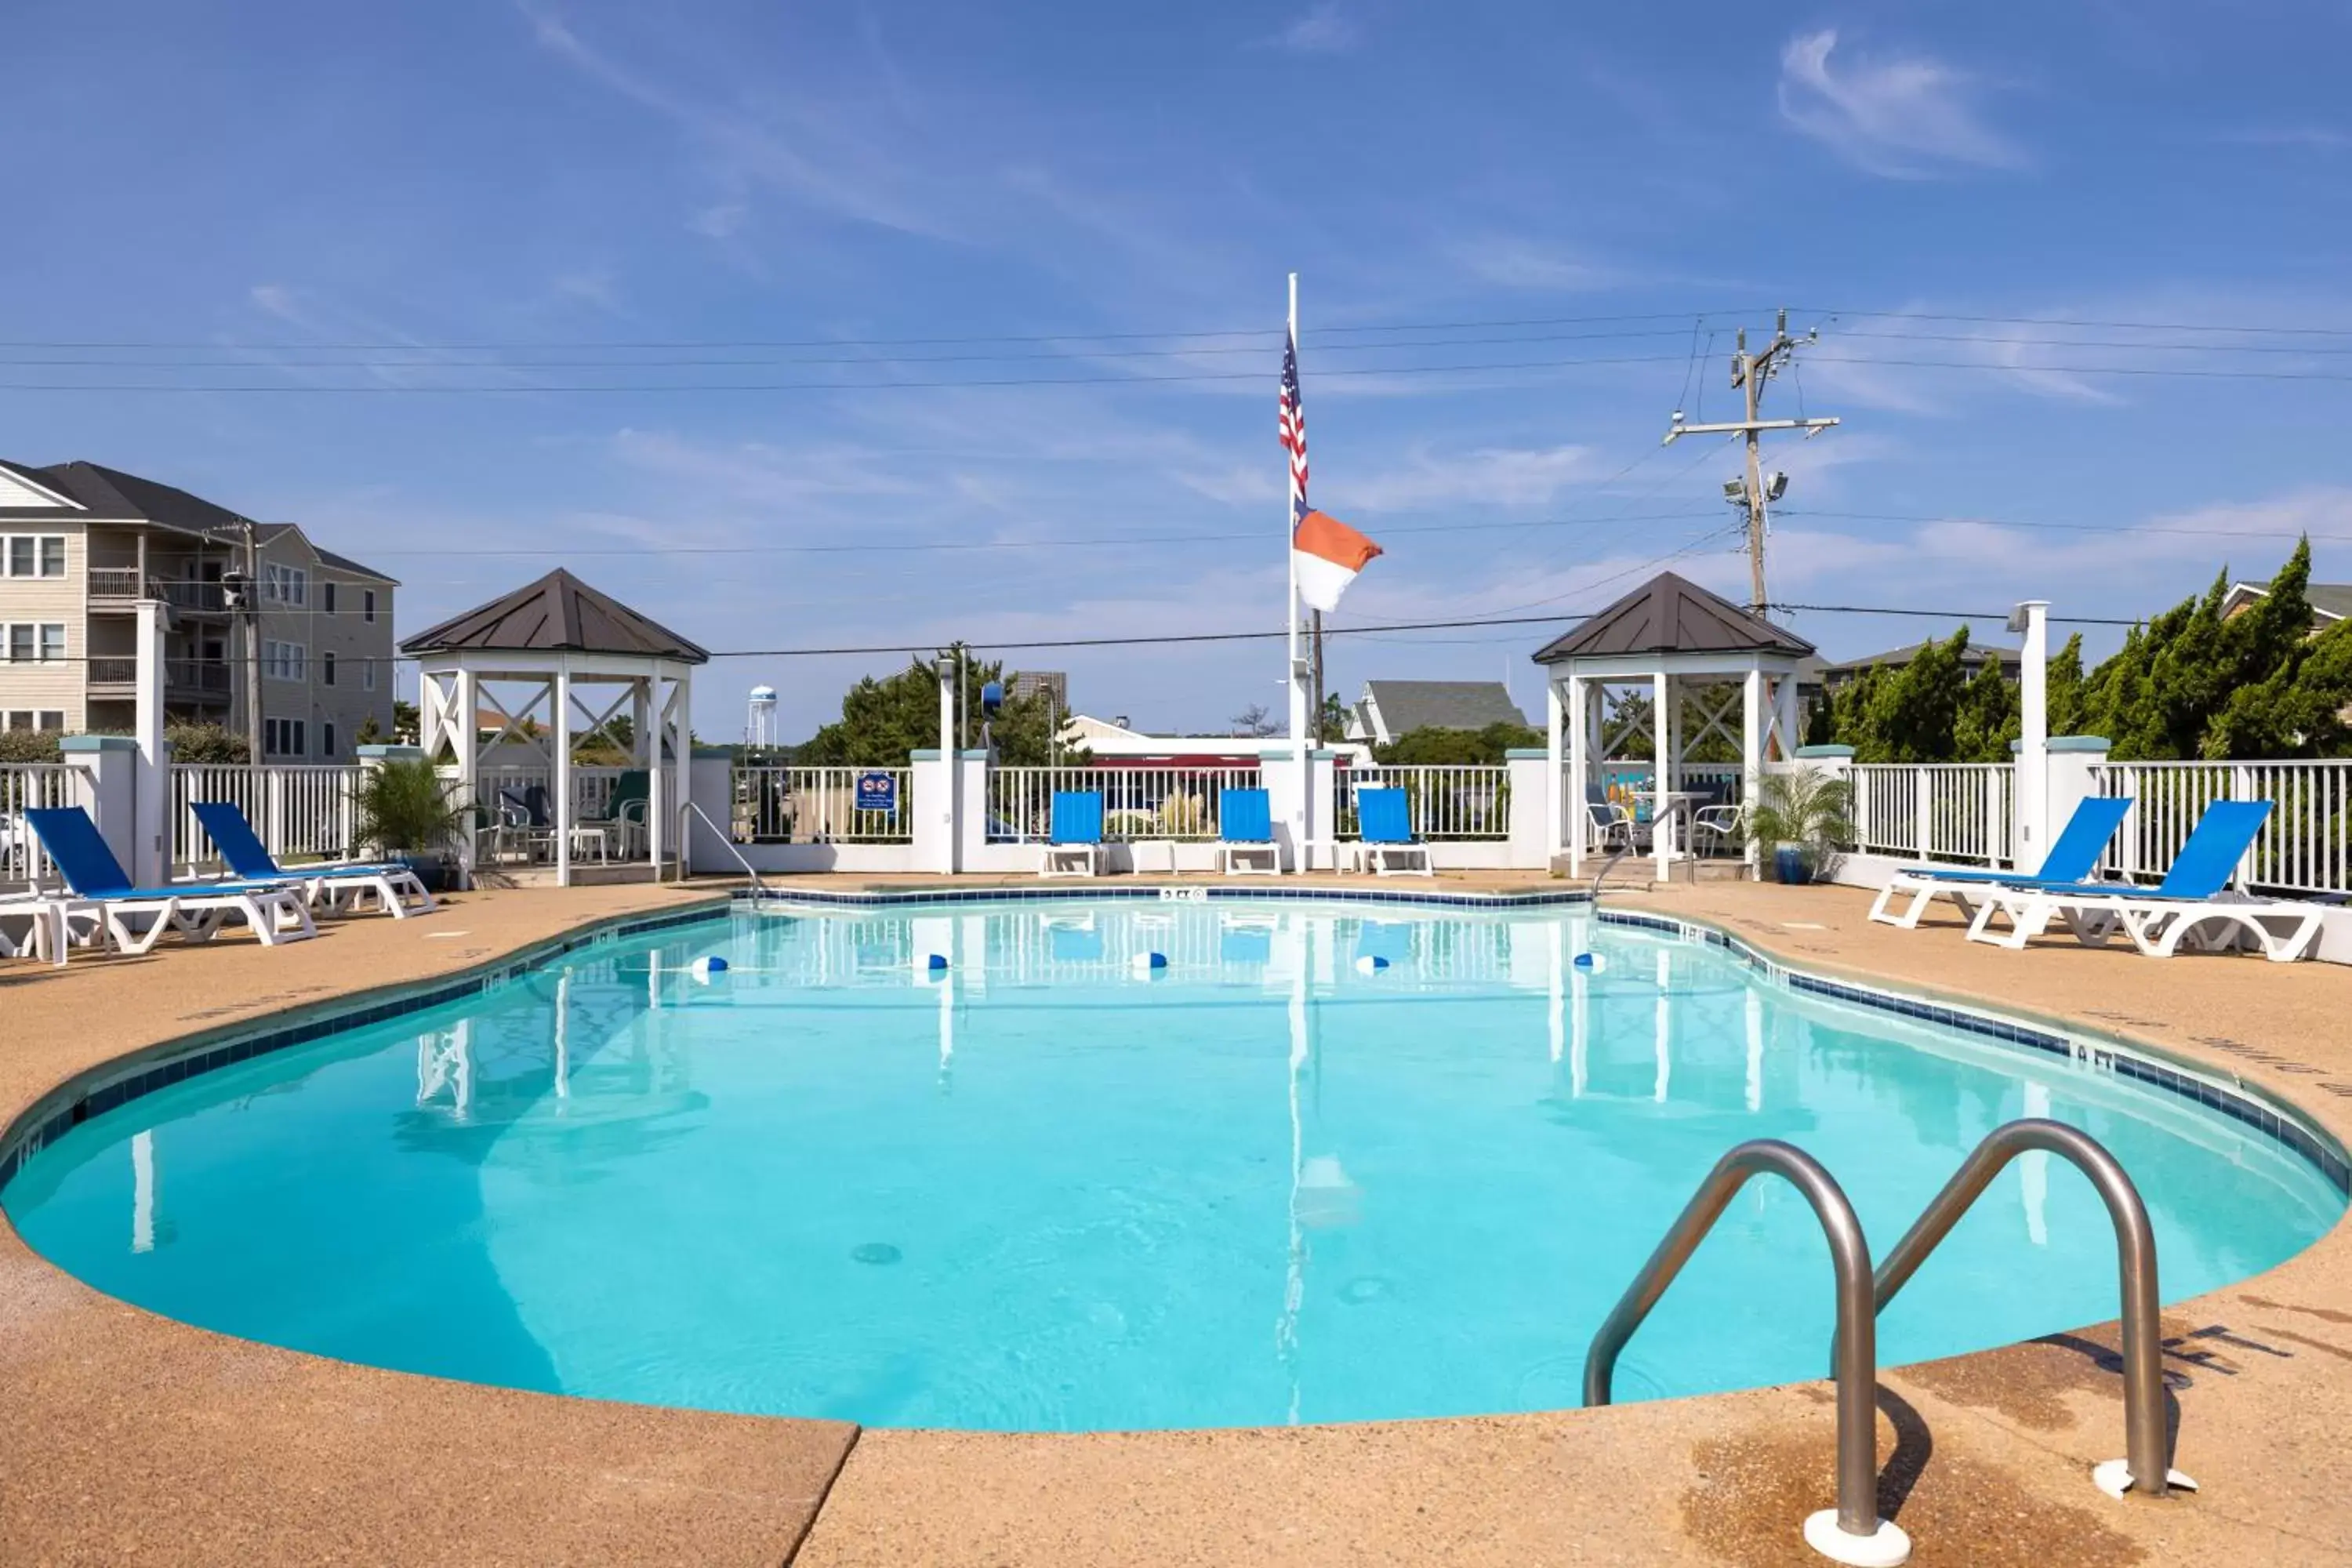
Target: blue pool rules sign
{"x": 878, "y": 792}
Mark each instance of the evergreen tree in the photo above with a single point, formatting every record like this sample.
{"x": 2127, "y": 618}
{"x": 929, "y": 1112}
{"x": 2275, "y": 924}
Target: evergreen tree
{"x": 882, "y": 720}
{"x": 1430, "y": 745}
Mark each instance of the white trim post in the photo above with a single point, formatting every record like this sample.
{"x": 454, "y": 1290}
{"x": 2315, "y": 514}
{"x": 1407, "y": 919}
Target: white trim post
{"x": 1575, "y": 819}
{"x": 1751, "y": 752}
{"x": 152, "y": 787}
{"x": 562, "y": 769}
{"x": 1557, "y": 749}
{"x": 466, "y": 744}
{"x": 1660, "y": 751}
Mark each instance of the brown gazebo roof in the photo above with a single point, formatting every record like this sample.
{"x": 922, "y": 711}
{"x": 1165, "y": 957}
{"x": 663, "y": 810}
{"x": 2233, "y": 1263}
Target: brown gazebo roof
{"x": 558, "y": 614}
{"x": 1673, "y": 614}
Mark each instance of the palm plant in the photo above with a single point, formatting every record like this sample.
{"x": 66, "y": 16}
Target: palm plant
{"x": 405, "y": 809}
{"x": 1806, "y": 809}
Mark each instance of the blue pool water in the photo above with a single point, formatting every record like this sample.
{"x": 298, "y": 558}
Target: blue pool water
{"x": 1048, "y": 1193}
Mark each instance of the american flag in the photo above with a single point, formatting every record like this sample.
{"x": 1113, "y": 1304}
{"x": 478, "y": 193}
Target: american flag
{"x": 1292, "y": 424}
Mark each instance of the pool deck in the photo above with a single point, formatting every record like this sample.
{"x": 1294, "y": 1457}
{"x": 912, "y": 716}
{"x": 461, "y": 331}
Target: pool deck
{"x": 128, "y": 1438}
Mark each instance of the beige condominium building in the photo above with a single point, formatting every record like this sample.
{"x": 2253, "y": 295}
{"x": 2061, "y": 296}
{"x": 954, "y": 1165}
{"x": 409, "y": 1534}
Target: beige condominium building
{"x": 81, "y": 544}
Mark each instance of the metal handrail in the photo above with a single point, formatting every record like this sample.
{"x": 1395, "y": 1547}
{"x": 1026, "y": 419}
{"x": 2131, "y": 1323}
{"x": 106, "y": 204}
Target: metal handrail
{"x": 685, "y": 853}
{"x": 1854, "y": 1362}
{"x": 2147, "y": 1451}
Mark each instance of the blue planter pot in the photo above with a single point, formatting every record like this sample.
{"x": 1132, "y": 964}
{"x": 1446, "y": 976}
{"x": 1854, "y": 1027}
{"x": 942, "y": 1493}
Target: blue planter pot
{"x": 1789, "y": 865}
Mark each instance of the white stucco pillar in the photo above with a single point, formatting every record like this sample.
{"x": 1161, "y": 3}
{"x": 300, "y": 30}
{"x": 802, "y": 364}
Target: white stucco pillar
{"x": 563, "y": 773}
{"x": 150, "y": 846}
{"x": 2032, "y": 813}
{"x": 466, "y": 744}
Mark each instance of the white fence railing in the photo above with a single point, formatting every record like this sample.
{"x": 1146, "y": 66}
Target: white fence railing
{"x": 512, "y": 788}
{"x": 2304, "y": 846}
{"x": 821, "y": 805}
{"x": 1936, "y": 811}
{"x": 300, "y": 812}
{"x": 1138, "y": 803}
{"x": 23, "y": 787}
{"x": 1446, "y": 801}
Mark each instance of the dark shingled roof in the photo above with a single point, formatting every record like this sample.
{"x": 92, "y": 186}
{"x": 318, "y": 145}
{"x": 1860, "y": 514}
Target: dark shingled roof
{"x": 1673, "y": 614}
{"x": 1409, "y": 705}
{"x": 1896, "y": 657}
{"x": 558, "y": 614}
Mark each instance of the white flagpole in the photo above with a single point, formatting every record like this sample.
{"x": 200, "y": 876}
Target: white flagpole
{"x": 1298, "y": 812}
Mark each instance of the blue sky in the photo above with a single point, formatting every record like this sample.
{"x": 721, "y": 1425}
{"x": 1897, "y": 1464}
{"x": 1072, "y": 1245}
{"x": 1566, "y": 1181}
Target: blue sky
{"x": 253, "y": 182}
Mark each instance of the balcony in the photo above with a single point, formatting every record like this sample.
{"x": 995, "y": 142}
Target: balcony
{"x": 192, "y": 677}
{"x": 116, "y": 587}
{"x": 113, "y": 677}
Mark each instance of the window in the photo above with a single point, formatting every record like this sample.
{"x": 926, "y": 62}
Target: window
{"x": 367, "y": 675}
{"x": 29, "y": 641}
{"x": 51, "y": 719}
{"x": 285, "y": 584}
{"x": 326, "y": 739}
{"x": 367, "y": 604}
{"x": 33, "y": 718}
{"x": 327, "y": 667}
{"x": 282, "y": 737}
{"x": 284, "y": 660}
{"x": 327, "y": 597}
{"x": 33, "y": 556}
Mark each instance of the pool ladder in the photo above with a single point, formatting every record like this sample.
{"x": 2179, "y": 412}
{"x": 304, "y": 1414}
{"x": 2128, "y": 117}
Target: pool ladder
{"x": 1853, "y": 1531}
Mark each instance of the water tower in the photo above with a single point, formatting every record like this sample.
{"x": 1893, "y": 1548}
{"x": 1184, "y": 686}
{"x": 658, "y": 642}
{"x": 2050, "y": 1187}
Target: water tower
{"x": 761, "y": 728}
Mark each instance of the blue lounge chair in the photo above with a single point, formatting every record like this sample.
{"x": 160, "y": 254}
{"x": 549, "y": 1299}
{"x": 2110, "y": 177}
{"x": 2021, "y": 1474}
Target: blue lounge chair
{"x": 2072, "y": 859}
{"x": 1075, "y": 830}
{"x": 1245, "y": 830}
{"x": 342, "y": 887}
{"x": 2157, "y": 920}
{"x": 1384, "y": 828}
{"x": 196, "y": 911}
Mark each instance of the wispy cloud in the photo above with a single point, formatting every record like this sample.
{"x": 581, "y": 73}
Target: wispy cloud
{"x": 1323, "y": 30}
{"x": 1488, "y": 475}
{"x": 1511, "y": 263}
{"x": 1904, "y": 117}
{"x": 800, "y": 147}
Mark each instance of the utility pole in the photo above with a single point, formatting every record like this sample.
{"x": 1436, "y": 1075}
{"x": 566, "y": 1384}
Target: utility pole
{"x": 241, "y": 594}
{"x": 1749, "y": 373}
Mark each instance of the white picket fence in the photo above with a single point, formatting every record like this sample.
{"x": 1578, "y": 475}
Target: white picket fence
{"x": 1963, "y": 812}
{"x": 23, "y": 787}
{"x": 1447, "y": 802}
{"x": 2304, "y": 846}
{"x": 1178, "y": 802}
{"x": 300, "y": 812}
{"x": 821, "y": 806}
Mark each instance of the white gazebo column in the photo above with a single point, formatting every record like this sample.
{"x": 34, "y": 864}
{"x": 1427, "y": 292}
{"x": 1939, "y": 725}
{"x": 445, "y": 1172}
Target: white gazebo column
{"x": 1568, "y": 818}
{"x": 466, "y": 741}
{"x": 679, "y": 731}
{"x": 1751, "y": 751}
{"x": 1789, "y": 721}
{"x": 1661, "y": 836}
{"x": 563, "y": 761}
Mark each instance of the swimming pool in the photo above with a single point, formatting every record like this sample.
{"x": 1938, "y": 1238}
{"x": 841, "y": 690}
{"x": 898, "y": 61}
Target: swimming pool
{"x": 1334, "y": 1161}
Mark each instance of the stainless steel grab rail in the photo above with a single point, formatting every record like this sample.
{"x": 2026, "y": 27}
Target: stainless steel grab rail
{"x": 2145, "y": 1440}
{"x": 1854, "y": 1362}
{"x": 684, "y": 828}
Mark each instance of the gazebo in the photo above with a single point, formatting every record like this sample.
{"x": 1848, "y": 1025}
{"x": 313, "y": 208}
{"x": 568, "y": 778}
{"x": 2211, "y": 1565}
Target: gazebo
{"x": 1679, "y": 666}
{"x": 552, "y": 665}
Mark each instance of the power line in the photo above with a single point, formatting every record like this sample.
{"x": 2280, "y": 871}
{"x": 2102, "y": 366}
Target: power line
{"x": 1953, "y": 615}
{"x": 2076, "y": 527}
{"x": 1108, "y": 541}
{"x": 2079, "y": 322}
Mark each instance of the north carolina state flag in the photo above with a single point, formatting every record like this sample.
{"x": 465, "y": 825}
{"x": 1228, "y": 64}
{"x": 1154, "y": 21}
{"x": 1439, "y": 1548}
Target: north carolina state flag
{"x": 1327, "y": 555}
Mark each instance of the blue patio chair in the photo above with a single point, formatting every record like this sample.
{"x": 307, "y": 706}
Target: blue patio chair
{"x": 2157, "y": 920}
{"x": 1074, "y": 830}
{"x": 2072, "y": 859}
{"x": 1384, "y": 828}
{"x": 339, "y": 887}
{"x": 196, "y": 911}
{"x": 1246, "y": 831}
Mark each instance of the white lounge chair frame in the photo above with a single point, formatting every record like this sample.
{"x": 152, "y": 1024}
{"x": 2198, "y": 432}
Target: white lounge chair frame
{"x": 2157, "y": 927}
{"x": 1229, "y": 854}
{"x": 276, "y": 915}
{"x": 1090, "y": 852}
{"x": 1378, "y": 853}
{"x": 344, "y": 892}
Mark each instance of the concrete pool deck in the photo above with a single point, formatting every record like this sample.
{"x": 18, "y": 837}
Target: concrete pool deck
{"x": 128, "y": 1438}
